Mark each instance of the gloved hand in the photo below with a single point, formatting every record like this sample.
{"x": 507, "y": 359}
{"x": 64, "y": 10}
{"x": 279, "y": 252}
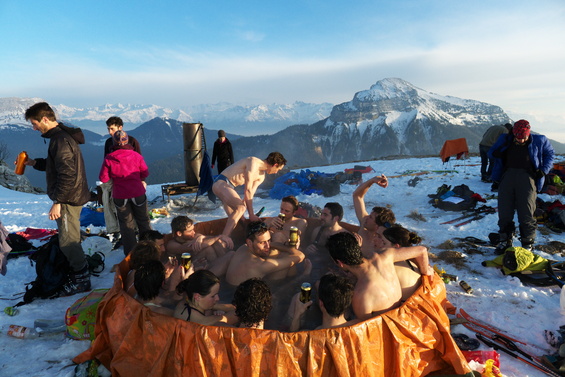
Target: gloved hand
{"x": 539, "y": 174}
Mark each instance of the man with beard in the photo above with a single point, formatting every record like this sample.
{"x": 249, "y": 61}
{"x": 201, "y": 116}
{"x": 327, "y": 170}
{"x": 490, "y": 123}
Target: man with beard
{"x": 377, "y": 221}
{"x": 253, "y": 260}
{"x": 330, "y": 217}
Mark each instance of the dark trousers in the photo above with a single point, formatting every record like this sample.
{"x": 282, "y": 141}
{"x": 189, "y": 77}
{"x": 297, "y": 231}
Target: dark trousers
{"x": 517, "y": 192}
{"x": 132, "y": 213}
{"x": 486, "y": 163}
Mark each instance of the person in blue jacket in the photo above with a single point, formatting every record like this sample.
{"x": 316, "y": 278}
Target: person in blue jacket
{"x": 521, "y": 163}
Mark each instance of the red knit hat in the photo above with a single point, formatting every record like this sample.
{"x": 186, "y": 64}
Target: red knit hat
{"x": 521, "y": 129}
{"x": 120, "y": 137}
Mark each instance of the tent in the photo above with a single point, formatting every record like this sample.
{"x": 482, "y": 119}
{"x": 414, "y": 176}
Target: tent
{"x": 455, "y": 147}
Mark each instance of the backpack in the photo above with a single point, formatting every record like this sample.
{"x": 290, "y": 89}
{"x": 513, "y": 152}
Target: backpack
{"x": 460, "y": 198}
{"x": 18, "y": 242}
{"x": 52, "y": 270}
{"x": 553, "y": 275}
{"x": 80, "y": 317}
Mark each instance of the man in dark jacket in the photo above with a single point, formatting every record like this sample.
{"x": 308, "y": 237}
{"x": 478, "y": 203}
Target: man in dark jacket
{"x": 521, "y": 163}
{"x": 66, "y": 187}
{"x": 113, "y": 124}
{"x": 222, "y": 151}
{"x": 489, "y": 138}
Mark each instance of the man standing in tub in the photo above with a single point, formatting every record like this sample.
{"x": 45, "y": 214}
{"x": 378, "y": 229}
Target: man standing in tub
{"x": 249, "y": 172}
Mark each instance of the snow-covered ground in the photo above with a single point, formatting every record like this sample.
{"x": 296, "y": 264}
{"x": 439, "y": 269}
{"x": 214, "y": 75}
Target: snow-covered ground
{"x": 522, "y": 310}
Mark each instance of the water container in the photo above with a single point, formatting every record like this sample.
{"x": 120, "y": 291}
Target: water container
{"x": 193, "y": 152}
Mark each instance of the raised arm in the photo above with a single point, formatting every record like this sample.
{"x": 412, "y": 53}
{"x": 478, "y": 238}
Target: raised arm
{"x": 359, "y": 195}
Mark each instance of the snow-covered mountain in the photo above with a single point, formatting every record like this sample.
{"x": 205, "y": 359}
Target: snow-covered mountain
{"x": 393, "y": 117}
{"x": 241, "y": 120}
{"x": 12, "y": 110}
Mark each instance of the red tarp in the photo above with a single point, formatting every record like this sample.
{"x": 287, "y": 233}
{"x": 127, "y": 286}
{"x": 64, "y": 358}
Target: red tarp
{"x": 454, "y": 147}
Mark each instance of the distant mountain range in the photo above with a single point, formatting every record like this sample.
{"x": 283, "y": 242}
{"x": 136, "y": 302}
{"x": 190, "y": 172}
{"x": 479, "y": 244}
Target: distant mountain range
{"x": 391, "y": 118}
{"x": 241, "y": 120}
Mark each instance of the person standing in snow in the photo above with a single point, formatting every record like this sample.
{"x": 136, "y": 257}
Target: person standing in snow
{"x": 127, "y": 169}
{"x": 222, "y": 152}
{"x": 522, "y": 161}
{"x": 66, "y": 187}
{"x": 489, "y": 138}
{"x": 110, "y": 214}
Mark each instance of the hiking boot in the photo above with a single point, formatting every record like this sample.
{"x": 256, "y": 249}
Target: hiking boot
{"x": 527, "y": 243}
{"x": 116, "y": 244}
{"x": 502, "y": 246}
{"x": 78, "y": 282}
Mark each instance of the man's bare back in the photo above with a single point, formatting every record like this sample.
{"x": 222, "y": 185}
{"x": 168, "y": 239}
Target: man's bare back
{"x": 378, "y": 288}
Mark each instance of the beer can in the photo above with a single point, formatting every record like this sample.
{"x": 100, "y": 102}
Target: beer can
{"x": 466, "y": 287}
{"x": 305, "y": 292}
{"x": 186, "y": 260}
{"x": 293, "y": 238}
{"x": 282, "y": 217}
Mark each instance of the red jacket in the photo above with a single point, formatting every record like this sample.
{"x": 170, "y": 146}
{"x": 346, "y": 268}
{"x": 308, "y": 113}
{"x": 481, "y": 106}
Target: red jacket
{"x": 127, "y": 169}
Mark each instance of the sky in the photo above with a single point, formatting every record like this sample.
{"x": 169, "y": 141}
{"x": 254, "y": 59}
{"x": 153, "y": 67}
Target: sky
{"x": 524, "y": 311}
{"x": 183, "y": 53}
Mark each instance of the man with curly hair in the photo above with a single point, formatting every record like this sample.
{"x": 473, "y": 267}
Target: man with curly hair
{"x": 377, "y": 289}
{"x": 334, "y": 299}
{"x": 253, "y": 302}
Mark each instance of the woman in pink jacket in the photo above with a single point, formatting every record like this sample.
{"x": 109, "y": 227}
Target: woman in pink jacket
{"x": 127, "y": 169}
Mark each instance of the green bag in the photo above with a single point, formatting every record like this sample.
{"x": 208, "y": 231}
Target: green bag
{"x": 81, "y": 316}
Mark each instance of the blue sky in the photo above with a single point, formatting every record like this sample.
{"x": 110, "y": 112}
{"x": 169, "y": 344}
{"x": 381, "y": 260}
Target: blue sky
{"x": 182, "y": 53}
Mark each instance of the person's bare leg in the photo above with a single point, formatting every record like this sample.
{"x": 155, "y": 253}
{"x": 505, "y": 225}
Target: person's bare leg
{"x": 220, "y": 265}
{"x": 231, "y": 200}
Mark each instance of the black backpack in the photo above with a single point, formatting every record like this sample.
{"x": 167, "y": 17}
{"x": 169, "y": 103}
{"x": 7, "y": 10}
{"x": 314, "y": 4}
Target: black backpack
{"x": 52, "y": 270}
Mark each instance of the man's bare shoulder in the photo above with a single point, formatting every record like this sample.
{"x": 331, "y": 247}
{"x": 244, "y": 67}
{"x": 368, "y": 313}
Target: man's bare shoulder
{"x": 299, "y": 223}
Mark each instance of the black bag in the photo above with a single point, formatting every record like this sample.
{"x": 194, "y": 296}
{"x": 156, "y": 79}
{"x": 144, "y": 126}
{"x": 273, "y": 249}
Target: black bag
{"x": 329, "y": 186}
{"x": 554, "y": 274}
{"x": 18, "y": 243}
{"x": 52, "y": 270}
{"x": 468, "y": 201}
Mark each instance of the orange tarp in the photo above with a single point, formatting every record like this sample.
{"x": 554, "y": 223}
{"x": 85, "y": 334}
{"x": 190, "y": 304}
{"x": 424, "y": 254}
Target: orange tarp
{"x": 454, "y": 147}
{"x": 413, "y": 340}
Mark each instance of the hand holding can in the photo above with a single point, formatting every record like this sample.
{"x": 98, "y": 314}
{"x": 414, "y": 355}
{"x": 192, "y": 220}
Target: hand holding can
{"x": 186, "y": 261}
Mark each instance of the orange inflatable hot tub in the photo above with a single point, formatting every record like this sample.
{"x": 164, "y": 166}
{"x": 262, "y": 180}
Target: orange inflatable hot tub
{"x": 412, "y": 340}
